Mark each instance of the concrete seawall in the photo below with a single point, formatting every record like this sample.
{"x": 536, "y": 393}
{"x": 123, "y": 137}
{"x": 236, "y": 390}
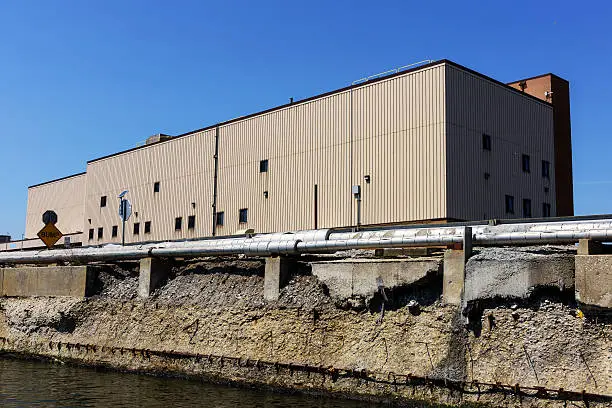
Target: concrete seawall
{"x": 209, "y": 319}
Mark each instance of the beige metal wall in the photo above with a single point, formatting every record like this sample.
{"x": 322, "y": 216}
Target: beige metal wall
{"x": 396, "y": 137}
{"x": 184, "y": 167}
{"x": 65, "y": 197}
{"x": 517, "y": 125}
{"x": 399, "y": 141}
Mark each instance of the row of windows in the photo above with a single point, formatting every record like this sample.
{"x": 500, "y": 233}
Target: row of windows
{"x": 263, "y": 168}
{"x": 525, "y": 159}
{"x": 526, "y": 207}
{"x": 178, "y": 225}
{"x": 243, "y": 217}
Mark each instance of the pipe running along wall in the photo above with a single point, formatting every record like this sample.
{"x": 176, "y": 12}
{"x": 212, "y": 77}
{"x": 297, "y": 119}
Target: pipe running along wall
{"x": 326, "y": 241}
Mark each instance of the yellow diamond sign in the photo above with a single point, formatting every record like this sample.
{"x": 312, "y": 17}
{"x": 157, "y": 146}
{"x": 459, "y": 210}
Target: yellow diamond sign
{"x": 49, "y": 235}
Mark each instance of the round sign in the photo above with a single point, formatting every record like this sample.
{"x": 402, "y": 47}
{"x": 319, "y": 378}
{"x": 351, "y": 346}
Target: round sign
{"x": 49, "y": 217}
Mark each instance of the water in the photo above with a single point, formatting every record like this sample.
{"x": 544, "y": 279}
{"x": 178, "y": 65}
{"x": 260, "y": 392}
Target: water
{"x": 37, "y": 384}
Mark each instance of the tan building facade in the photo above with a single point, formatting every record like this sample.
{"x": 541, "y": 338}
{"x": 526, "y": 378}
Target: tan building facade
{"x": 439, "y": 142}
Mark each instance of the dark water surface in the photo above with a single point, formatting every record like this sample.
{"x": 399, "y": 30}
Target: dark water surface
{"x": 38, "y": 384}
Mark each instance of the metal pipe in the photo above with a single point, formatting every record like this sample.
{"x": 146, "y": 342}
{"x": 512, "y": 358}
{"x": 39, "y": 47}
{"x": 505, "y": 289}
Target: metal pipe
{"x": 321, "y": 241}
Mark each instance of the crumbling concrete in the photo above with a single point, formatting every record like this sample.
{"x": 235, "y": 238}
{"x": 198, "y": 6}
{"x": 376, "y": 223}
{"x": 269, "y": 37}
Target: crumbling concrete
{"x": 73, "y": 281}
{"x": 364, "y": 277}
{"x": 517, "y": 272}
{"x": 594, "y": 280}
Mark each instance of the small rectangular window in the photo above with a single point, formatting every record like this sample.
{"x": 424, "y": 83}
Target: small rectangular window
{"x": 486, "y": 142}
{"x": 545, "y": 210}
{"x": 525, "y": 162}
{"x": 545, "y": 169}
{"x": 263, "y": 166}
{"x": 102, "y": 201}
{"x": 147, "y": 227}
{"x": 526, "y": 208}
{"x": 100, "y": 232}
{"x": 136, "y": 228}
{"x": 220, "y": 218}
{"x": 509, "y": 204}
{"x": 191, "y": 222}
{"x": 243, "y": 214}
{"x": 91, "y": 233}
{"x": 156, "y": 187}
{"x": 178, "y": 223}
{"x": 114, "y": 233}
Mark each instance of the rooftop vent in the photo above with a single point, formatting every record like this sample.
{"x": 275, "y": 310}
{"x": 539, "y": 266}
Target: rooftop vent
{"x": 160, "y": 137}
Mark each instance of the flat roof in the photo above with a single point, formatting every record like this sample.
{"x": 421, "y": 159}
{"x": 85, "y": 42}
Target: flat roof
{"x": 346, "y": 88}
{"x": 59, "y": 179}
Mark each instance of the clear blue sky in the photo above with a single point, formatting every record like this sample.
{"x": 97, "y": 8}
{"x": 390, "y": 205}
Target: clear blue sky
{"x": 82, "y": 79}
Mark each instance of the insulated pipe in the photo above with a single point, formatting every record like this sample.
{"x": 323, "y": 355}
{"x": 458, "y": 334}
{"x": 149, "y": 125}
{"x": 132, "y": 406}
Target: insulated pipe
{"x": 311, "y": 242}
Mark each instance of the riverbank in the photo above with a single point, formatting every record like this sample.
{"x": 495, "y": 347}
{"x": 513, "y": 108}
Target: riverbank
{"x": 210, "y": 320}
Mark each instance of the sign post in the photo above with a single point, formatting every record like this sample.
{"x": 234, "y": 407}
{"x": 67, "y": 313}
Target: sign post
{"x": 49, "y": 234}
{"x": 125, "y": 210}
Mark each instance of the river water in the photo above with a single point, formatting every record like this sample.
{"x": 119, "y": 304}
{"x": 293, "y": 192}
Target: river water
{"x": 38, "y": 384}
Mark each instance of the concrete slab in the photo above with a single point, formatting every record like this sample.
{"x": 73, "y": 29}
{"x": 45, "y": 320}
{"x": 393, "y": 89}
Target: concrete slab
{"x": 46, "y": 281}
{"x": 515, "y": 272}
{"x": 361, "y": 277}
{"x": 594, "y": 280}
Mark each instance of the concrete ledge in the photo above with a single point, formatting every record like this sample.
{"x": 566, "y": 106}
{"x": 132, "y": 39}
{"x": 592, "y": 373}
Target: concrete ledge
{"x": 46, "y": 281}
{"x": 515, "y": 273}
{"x": 362, "y": 277}
{"x": 594, "y": 280}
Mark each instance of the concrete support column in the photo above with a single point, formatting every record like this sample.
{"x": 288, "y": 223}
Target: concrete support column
{"x": 454, "y": 270}
{"x": 594, "y": 280}
{"x": 588, "y": 247}
{"x": 152, "y": 272}
{"x": 276, "y": 276}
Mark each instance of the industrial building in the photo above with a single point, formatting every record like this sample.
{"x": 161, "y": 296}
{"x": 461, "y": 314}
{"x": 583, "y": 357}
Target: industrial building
{"x": 433, "y": 143}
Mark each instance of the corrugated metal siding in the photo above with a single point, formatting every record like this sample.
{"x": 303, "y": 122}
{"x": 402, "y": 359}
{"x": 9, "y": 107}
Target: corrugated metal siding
{"x": 65, "y": 197}
{"x": 399, "y": 141}
{"x": 397, "y": 138}
{"x": 184, "y": 167}
{"x": 517, "y": 125}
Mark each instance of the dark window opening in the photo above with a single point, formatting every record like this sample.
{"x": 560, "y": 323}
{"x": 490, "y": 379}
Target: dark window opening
{"x": 545, "y": 169}
{"x": 136, "y": 228}
{"x": 486, "y": 142}
{"x": 100, "y": 232}
{"x": 156, "y": 187}
{"x": 178, "y": 223}
{"x": 545, "y": 210}
{"x": 191, "y": 222}
{"x": 509, "y": 204}
{"x": 526, "y": 208}
{"x": 103, "y": 201}
{"x": 91, "y": 233}
{"x": 486, "y": 176}
{"x": 525, "y": 162}
{"x": 220, "y": 218}
{"x": 243, "y": 215}
{"x": 147, "y": 227}
{"x": 114, "y": 232}
{"x": 263, "y": 166}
